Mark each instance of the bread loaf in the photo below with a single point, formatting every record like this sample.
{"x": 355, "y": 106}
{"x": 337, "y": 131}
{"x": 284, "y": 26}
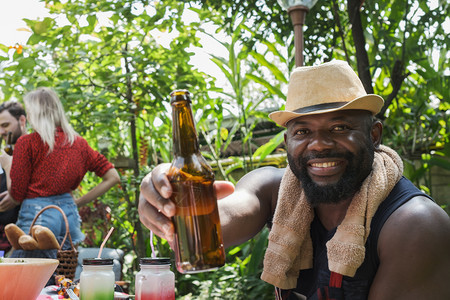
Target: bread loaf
{"x": 27, "y": 242}
{"x": 44, "y": 237}
{"x": 13, "y": 233}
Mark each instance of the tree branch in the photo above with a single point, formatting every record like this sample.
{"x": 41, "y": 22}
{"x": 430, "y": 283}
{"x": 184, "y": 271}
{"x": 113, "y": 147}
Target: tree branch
{"x": 398, "y": 74}
{"x": 340, "y": 30}
{"x": 353, "y": 8}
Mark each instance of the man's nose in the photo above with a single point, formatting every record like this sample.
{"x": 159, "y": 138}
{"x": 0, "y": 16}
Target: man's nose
{"x": 320, "y": 141}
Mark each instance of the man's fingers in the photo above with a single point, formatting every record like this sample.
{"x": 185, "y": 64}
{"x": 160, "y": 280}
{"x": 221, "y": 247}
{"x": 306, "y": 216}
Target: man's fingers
{"x": 160, "y": 180}
{"x": 155, "y": 207}
{"x": 154, "y": 220}
{"x": 5, "y": 206}
{"x": 6, "y": 202}
{"x": 223, "y": 188}
{"x": 156, "y": 189}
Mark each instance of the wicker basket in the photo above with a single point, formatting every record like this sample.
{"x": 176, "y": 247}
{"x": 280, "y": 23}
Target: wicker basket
{"x": 68, "y": 259}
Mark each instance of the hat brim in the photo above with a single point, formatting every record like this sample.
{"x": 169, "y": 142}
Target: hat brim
{"x": 371, "y": 102}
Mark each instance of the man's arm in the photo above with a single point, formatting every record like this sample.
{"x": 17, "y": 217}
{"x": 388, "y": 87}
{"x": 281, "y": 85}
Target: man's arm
{"x": 245, "y": 212}
{"x": 7, "y": 202}
{"x": 6, "y": 161}
{"x": 414, "y": 252}
{"x": 242, "y": 213}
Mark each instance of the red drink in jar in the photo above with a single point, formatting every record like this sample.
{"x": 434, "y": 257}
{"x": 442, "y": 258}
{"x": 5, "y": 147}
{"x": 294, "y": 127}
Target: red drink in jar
{"x": 155, "y": 281}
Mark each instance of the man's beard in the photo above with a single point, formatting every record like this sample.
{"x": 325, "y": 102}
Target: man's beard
{"x": 358, "y": 168}
{"x": 16, "y": 134}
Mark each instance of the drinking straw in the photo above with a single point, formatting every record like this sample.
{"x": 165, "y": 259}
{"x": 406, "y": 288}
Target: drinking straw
{"x": 104, "y": 242}
{"x": 151, "y": 244}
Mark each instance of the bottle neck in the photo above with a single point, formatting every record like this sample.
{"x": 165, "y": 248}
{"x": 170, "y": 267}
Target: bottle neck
{"x": 185, "y": 141}
{"x": 9, "y": 140}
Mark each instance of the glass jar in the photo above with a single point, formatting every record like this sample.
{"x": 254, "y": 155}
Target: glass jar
{"x": 155, "y": 280}
{"x": 97, "y": 279}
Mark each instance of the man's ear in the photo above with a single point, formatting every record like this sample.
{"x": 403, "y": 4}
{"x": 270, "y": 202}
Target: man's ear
{"x": 23, "y": 122}
{"x": 376, "y": 133}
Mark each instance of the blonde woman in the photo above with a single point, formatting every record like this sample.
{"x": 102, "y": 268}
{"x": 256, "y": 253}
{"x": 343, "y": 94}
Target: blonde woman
{"x": 50, "y": 163}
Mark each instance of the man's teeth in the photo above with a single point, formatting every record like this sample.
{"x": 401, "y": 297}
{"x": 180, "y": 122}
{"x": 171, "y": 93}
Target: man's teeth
{"x": 324, "y": 165}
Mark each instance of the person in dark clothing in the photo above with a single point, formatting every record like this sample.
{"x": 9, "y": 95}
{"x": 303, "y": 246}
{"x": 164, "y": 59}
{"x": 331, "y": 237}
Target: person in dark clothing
{"x": 344, "y": 222}
{"x": 12, "y": 119}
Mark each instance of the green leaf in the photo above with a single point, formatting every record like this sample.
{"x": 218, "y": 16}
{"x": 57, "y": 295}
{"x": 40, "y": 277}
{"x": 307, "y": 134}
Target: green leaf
{"x": 261, "y": 59}
{"x": 257, "y": 254}
{"x": 269, "y": 147}
{"x": 92, "y": 20}
{"x": 440, "y": 162}
{"x": 43, "y": 26}
{"x": 27, "y": 63}
{"x": 270, "y": 87}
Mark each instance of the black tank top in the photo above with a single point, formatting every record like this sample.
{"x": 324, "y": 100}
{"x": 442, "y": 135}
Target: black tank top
{"x": 355, "y": 288}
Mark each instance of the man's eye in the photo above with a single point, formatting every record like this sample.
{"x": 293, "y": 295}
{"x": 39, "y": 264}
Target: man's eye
{"x": 340, "y": 128}
{"x": 301, "y": 132}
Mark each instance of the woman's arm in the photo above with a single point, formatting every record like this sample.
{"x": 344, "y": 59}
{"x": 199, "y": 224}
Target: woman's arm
{"x": 110, "y": 179}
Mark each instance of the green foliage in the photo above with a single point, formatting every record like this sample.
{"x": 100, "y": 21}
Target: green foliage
{"x": 114, "y": 79}
{"x": 250, "y": 88}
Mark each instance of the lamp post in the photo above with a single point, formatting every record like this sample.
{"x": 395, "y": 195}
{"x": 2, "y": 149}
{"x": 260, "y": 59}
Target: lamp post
{"x": 297, "y": 10}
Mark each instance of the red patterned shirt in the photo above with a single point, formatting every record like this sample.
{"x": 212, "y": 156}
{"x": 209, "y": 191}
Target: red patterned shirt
{"x": 36, "y": 173}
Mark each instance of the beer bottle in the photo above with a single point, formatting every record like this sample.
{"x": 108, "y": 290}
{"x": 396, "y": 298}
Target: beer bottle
{"x": 198, "y": 237}
{"x": 9, "y": 146}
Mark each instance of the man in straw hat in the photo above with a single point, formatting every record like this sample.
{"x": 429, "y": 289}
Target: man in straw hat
{"x": 345, "y": 223}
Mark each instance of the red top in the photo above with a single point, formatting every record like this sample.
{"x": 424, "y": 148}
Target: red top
{"x": 35, "y": 173}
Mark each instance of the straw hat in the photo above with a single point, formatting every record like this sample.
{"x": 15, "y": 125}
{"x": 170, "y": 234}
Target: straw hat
{"x": 325, "y": 88}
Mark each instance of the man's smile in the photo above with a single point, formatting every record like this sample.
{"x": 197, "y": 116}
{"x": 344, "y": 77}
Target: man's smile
{"x": 318, "y": 169}
{"x": 324, "y": 164}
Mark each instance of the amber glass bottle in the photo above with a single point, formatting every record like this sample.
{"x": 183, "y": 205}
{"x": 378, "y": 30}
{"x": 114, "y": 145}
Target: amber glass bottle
{"x": 9, "y": 146}
{"x": 198, "y": 237}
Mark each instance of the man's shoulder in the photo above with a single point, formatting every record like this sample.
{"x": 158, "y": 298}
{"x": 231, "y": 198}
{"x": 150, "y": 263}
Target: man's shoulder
{"x": 413, "y": 248}
{"x": 263, "y": 183}
{"x": 264, "y": 178}
{"x": 419, "y": 209}
{"x": 264, "y": 174}
{"x": 418, "y": 219}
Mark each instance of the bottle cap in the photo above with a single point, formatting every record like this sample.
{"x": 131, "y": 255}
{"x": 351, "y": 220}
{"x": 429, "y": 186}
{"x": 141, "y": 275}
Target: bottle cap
{"x": 97, "y": 261}
{"x": 155, "y": 261}
{"x": 180, "y": 95}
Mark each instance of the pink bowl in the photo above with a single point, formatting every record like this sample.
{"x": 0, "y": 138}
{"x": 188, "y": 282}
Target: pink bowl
{"x": 24, "y": 278}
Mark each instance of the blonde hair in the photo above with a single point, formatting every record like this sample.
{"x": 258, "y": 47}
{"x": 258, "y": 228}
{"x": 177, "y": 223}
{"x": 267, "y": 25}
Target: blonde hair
{"x": 45, "y": 112}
